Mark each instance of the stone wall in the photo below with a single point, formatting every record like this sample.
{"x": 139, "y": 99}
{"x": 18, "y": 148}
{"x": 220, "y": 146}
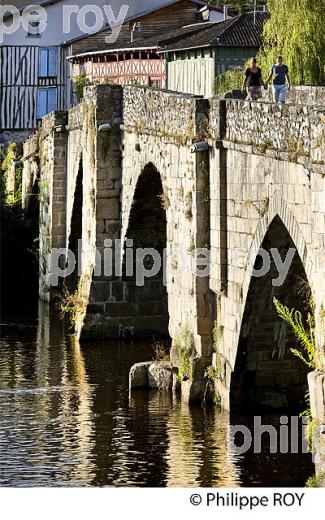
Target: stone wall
{"x": 174, "y": 117}
{"x": 297, "y": 131}
{"x": 316, "y": 381}
{"x": 165, "y": 141}
{"x": 52, "y": 151}
{"x": 30, "y": 170}
{"x": 301, "y": 95}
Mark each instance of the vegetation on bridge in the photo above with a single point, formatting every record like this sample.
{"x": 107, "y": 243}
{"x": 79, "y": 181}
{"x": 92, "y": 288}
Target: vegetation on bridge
{"x": 304, "y": 331}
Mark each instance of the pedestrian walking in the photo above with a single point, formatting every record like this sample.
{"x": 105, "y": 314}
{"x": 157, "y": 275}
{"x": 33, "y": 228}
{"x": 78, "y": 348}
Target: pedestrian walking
{"x": 280, "y": 74}
{"x": 253, "y": 82}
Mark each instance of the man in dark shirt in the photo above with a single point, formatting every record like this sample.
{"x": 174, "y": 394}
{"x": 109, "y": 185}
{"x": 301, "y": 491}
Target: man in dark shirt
{"x": 280, "y": 74}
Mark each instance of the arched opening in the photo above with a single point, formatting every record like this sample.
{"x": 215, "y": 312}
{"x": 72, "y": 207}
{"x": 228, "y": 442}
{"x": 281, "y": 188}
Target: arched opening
{"x": 32, "y": 211}
{"x": 147, "y": 229}
{"x": 267, "y": 374}
{"x": 76, "y": 228}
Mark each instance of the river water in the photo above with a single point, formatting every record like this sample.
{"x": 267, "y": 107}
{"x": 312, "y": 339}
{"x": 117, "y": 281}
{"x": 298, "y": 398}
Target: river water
{"x": 67, "y": 420}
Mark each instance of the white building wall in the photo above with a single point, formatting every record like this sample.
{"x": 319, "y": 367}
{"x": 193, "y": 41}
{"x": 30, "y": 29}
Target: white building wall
{"x": 192, "y": 76}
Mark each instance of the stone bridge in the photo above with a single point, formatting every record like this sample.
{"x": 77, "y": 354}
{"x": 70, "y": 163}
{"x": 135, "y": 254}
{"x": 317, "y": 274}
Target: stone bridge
{"x": 177, "y": 174}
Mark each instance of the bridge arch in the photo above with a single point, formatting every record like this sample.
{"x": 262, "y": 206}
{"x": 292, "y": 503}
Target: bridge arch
{"x": 278, "y": 207}
{"x": 143, "y": 259}
{"x": 132, "y": 173}
{"x": 74, "y": 235}
{"x": 265, "y": 372}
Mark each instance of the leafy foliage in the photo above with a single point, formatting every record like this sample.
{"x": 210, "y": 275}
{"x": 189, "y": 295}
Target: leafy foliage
{"x": 72, "y": 304}
{"x": 240, "y": 5}
{"x": 10, "y": 157}
{"x": 7, "y": 161}
{"x": 184, "y": 344}
{"x": 211, "y": 375}
{"x": 80, "y": 82}
{"x": 231, "y": 79}
{"x": 217, "y": 336}
{"x": 304, "y": 332}
{"x": 303, "y": 46}
{"x": 161, "y": 351}
{"x": 316, "y": 481}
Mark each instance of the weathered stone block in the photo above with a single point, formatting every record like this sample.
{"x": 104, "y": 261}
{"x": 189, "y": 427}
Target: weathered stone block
{"x": 192, "y": 391}
{"x": 160, "y": 376}
{"x": 138, "y": 377}
{"x": 316, "y": 382}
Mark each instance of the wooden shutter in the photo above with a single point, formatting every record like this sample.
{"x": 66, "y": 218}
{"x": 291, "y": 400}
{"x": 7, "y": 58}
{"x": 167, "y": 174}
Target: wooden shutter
{"x": 41, "y": 102}
{"x": 51, "y": 99}
{"x": 43, "y": 63}
{"x": 52, "y": 62}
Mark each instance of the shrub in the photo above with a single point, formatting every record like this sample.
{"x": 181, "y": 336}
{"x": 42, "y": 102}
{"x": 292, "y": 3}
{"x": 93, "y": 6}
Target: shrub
{"x": 184, "y": 344}
{"x": 231, "y": 79}
{"x": 80, "y": 82}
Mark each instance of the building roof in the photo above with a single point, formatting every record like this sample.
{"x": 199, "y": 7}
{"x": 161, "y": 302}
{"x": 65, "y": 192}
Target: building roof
{"x": 200, "y": 4}
{"x": 20, "y": 4}
{"x": 153, "y": 43}
{"x": 236, "y": 32}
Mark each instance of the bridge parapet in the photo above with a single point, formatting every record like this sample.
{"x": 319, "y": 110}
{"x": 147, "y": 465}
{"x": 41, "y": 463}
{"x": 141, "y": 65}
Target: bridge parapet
{"x": 75, "y": 117}
{"x": 301, "y": 95}
{"x": 179, "y": 118}
{"x": 296, "y": 131}
{"x": 31, "y": 146}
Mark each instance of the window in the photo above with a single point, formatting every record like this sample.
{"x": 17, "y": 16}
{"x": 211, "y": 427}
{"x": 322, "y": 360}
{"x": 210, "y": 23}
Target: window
{"x": 48, "y": 62}
{"x": 154, "y": 82}
{"x": 33, "y": 30}
{"x": 46, "y": 101}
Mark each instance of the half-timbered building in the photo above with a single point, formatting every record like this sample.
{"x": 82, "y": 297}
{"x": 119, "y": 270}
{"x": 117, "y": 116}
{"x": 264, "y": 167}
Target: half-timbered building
{"x": 35, "y": 74}
{"x": 134, "y": 57}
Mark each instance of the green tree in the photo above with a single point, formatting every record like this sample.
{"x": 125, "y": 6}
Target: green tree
{"x": 296, "y": 31}
{"x": 240, "y": 5}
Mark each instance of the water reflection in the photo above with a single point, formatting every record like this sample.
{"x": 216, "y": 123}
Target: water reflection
{"x": 67, "y": 420}
{"x": 198, "y": 453}
{"x": 46, "y": 433}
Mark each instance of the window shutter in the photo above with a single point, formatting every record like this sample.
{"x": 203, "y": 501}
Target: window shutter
{"x": 46, "y": 101}
{"x": 51, "y": 99}
{"x": 43, "y": 63}
{"x": 41, "y": 103}
{"x": 53, "y": 62}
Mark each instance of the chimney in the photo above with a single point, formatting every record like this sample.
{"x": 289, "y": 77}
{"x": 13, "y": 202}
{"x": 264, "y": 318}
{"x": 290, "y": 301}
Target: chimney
{"x": 135, "y": 27}
{"x": 225, "y": 12}
{"x": 203, "y": 14}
